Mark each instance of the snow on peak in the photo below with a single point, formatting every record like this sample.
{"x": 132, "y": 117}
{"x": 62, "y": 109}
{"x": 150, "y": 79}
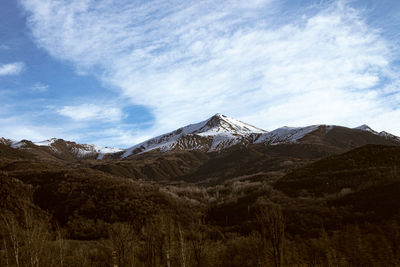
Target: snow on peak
{"x": 366, "y": 128}
{"x": 215, "y": 133}
{"x": 221, "y": 124}
{"x": 389, "y": 136}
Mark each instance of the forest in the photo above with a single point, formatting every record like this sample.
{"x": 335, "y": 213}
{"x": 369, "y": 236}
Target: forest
{"x": 339, "y": 210}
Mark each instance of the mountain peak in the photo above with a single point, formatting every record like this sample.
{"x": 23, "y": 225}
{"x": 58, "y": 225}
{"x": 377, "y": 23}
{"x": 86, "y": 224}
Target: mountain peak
{"x": 216, "y": 120}
{"x": 220, "y": 124}
{"x": 219, "y": 115}
{"x": 215, "y": 133}
{"x": 366, "y": 128}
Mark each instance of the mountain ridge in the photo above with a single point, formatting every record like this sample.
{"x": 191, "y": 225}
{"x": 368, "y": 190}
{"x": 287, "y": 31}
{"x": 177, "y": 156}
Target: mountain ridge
{"x": 60, "y": 148}
{"x": 215, "y": 134}
{"x": 221, "y": 132}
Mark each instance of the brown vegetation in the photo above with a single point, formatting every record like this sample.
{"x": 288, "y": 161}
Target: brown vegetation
{"x": 243, "y": 207}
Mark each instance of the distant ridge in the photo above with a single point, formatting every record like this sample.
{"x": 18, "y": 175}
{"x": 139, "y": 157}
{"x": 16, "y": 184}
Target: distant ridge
{"x": 61, "y": 149}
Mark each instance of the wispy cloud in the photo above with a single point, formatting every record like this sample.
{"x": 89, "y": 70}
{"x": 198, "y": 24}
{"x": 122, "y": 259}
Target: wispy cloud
{"x": 19, "y": 127}
{"x": 186, "y": 60}
{"x": 11, "y": 68}
{"x": 87, "y": 112}
{"x": 39, "y": 87}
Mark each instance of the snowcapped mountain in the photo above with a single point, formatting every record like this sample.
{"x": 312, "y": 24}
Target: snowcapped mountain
{"x": 220, "y": 132}
{"x": 62, "y": 148}
{"x": 216, "y": 133}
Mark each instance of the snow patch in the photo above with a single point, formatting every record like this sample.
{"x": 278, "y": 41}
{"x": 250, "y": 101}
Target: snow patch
{"x": 286, "y": 135}
{"x": 46, "y": 142}
{"x": 18, "y": 144}
{"x": 5, "y": 141}
{"x": 84, "y": 150}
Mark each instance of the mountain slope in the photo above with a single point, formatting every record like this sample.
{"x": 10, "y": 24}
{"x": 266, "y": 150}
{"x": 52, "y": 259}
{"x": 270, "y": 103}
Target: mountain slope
{"x": 217, "y": 133}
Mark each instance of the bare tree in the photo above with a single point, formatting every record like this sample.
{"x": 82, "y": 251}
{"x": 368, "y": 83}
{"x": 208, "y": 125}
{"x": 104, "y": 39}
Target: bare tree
{"x": 272, "y": 228}
{"x": 36, "y": 236}
{"x": 197, "y": 241}
{"x": 12, "y": 239}
{"x": 167, "y": 236}
{"x": 165, "y": 242}
{"x": 25, "y": 238}
{"x": 123, "y": 242}
{"x": 61, "y": 246}
{"x": 182, "y": 244}
{"x": 150, "y": 238}
{"x": 154, "y": 240}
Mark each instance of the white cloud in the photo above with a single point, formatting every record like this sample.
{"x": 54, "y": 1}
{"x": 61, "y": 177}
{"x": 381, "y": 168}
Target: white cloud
{"x": 11, "y": 68}
{"x": 186, "y": 60}
{"x": 19, "y": 127}
{"x": 39, "y": 87}
{"x": 87, "y": 112}
{"x": 118, "y": 137}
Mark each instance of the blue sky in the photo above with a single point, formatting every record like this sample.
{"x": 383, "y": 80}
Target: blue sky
{"x": 118, "y": 72}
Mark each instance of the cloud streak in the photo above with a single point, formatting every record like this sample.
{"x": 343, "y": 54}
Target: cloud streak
{"x": 39, "y": 87}
{"x": 11, "y": 68}
{"x": 185, "y": 60}
{"x": 88, "y": 112}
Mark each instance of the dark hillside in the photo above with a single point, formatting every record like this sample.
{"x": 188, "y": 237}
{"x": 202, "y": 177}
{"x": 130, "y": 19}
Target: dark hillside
{"x": 85, "y": 200}
{"x": 356, "y": 169}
